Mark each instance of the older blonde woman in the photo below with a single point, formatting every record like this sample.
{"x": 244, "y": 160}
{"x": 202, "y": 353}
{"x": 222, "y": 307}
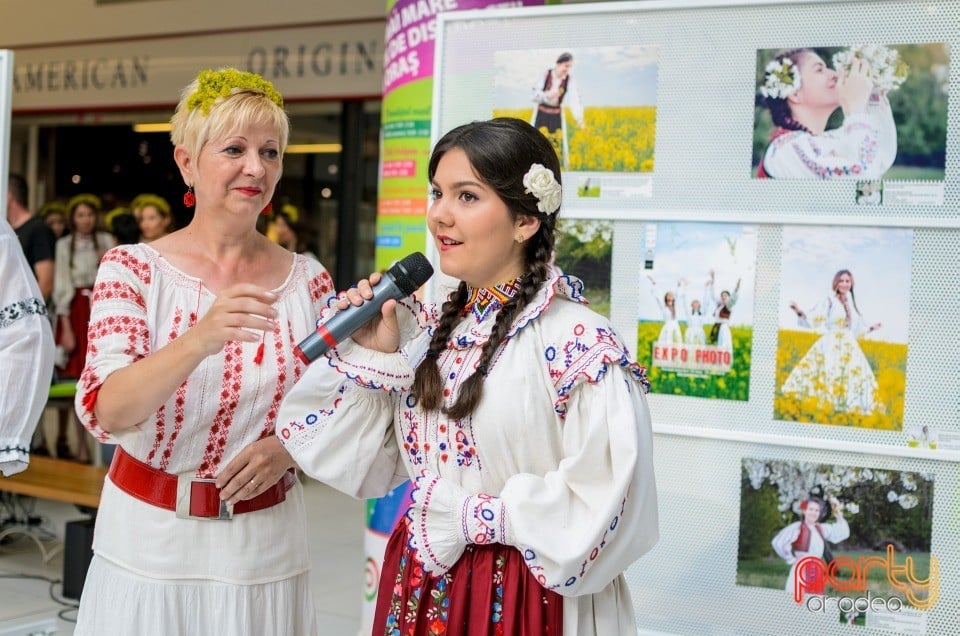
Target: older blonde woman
{"x": 192, "y": 342}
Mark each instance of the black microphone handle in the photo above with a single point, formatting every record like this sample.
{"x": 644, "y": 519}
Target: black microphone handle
{"x": 345, "y": 322}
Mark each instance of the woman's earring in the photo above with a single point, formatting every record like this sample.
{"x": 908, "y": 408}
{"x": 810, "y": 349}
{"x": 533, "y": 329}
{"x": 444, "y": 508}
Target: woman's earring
{"x": 189, "y": 199}
{"x": 267, "y": 210}
{"x": 519, "y": 238}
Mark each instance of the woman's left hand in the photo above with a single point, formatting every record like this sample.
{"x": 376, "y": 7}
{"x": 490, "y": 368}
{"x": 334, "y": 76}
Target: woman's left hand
{"x": 257, "y": 467}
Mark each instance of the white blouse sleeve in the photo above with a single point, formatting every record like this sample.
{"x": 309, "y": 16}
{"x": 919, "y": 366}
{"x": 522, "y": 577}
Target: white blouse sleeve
{"x": 337, "y": 421}
{"x": 338, "y": 425}
{"x": 584, "y": 523}
{"x": 573, "y": 100}
{"x": 837, "y": 531}
{"x": 783, "y": 542}
{"x": 63, "y": 289}
{"x": 118, "y": 334}
{"x": 26, "y": 354}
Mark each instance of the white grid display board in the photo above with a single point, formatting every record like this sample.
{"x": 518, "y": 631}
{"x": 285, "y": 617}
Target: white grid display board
{"x": 705, "y": 96}
{"x": 706, "y": 70}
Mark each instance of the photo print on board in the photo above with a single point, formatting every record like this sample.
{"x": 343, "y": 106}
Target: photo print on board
{"x": 585, "y": 250}
{"x": 597, "y": 105}
{"x": 843, "y": 326}
{"x": 695, "y": 315}
{"x": 808, "y": 529}
{"x": 870, "y": 113}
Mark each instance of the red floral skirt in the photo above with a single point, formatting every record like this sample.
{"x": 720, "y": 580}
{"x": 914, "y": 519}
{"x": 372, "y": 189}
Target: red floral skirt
{"x": 79, "y": 320}
{"x": 489, "y": 591}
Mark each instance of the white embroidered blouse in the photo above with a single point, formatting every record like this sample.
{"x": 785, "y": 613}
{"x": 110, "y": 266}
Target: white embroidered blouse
{"x": 26, "y": 354}
{"x": 140, "y": 303}
{"x": 82, "y": 273}
{"x": 561, "y": 436}
{"x": 864, "y": 147}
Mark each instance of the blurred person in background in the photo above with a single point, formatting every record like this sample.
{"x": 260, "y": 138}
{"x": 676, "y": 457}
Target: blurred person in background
{"x": 36, "y": 239}
{"x": 155, "y": 218}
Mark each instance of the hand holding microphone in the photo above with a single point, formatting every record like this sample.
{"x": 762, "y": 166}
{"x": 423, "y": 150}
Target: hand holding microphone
{"x": 363, "y": 304}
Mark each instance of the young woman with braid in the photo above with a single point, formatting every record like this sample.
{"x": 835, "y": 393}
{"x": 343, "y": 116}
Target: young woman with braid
{"x": 802, "y": 92}
{"x": 515, "y": 409}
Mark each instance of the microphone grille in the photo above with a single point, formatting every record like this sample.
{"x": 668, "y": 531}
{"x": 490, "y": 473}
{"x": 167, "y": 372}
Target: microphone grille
{"x": 411, "y": 272}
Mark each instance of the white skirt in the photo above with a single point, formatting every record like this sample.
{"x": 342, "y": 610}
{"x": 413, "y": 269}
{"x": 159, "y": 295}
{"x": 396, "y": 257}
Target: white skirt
{"x": 121, "y": 602}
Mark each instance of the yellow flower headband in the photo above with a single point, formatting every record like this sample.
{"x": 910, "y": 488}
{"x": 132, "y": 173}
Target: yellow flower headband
{"x": 291, "y": 212}
{"x": 90, "y": 199}
{"x": 111, "y": 215}
{"x": 143, "y": 200}
{"x": 214, "y": 85}
{"x": 53, "y": 207}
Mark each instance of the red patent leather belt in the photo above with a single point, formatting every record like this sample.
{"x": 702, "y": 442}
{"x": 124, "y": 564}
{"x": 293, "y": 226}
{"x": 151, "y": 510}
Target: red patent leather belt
{"x": 189, "y": 497}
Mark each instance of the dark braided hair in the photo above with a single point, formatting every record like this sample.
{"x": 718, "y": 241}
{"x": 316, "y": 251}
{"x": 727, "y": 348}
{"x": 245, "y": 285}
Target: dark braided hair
{"x": 780, "y": 111}
{"x": 501, "y": 152}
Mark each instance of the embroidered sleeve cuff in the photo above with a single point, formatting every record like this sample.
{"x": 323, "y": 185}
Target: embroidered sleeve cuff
{"x": 483, "y": 520}
{"x": 434, "y": 517}
{"x": 371, "y": 369}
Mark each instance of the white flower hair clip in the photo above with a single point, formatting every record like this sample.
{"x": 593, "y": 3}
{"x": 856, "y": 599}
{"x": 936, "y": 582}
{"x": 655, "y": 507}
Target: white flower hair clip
{"x": 540, "y": 182}
{"x": 782, "y": 80}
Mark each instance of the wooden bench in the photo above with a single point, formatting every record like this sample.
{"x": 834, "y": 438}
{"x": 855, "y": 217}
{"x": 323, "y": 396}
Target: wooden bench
{"x": 58, "y": 479}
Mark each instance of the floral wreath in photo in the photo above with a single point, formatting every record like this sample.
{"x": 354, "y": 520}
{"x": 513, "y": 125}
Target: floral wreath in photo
{"x": 782, "y": 79}
{"x": 213, "y": 85}
{"x": 540, "y": 182}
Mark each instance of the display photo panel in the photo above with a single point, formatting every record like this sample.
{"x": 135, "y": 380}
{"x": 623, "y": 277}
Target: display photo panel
{"x": 874, "y": 113}
{"x": 695, "y": 315}
{"x": 843, "y": 326}
{"x": 829, "y": 534}
{"x": 597, "y": 105}
{"x": 585, "y": 250}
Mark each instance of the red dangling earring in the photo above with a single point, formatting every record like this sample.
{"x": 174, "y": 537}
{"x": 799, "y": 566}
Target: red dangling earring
{"x": 189, "y": 198}
{"x": 267, "y": 210}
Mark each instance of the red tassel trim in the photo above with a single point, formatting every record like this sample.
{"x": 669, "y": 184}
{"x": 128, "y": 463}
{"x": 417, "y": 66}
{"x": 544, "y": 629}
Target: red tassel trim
{"x": 90, "y": 400}
{"x": 257, "y": 359}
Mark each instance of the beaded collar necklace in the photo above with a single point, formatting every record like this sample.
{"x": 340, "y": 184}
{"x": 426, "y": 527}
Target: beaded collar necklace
{"x": 484, "y": 301}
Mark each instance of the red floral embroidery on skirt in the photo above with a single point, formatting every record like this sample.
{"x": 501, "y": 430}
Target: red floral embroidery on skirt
{"x": 489, "y": 591}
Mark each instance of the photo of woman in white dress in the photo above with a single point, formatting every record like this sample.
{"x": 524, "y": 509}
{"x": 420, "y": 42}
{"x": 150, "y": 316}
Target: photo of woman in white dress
{"x": 844, "y": 316}
{"x": 835, "y": 368}
{"x": 670, "y": 333}
{"x": 694, "y": 334}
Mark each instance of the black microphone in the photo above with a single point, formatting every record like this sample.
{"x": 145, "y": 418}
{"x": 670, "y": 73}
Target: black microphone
{"x": 401, "y": 280}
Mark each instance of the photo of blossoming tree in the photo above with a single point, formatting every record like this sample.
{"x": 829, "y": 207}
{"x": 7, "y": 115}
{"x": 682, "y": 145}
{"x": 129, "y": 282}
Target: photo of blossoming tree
{"x": 866, "y": 112}
{"x": 875, "y": 509}
{"x": 585, "y": 250}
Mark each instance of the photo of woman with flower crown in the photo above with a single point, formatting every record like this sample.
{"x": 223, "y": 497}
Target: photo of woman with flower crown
{"x": 863, "y": 112}
{"x": 843, "y": 316}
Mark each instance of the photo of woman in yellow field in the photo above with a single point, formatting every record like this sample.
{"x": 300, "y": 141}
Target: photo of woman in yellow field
{"x": 842, "y": 342}
{"x": 597, "y": 105}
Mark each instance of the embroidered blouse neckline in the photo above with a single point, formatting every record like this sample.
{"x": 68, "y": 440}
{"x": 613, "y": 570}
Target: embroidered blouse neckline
{"x": 485, "y": 301}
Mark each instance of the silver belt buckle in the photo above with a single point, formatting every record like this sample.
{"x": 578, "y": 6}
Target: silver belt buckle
{"x": 184, "y": 486}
